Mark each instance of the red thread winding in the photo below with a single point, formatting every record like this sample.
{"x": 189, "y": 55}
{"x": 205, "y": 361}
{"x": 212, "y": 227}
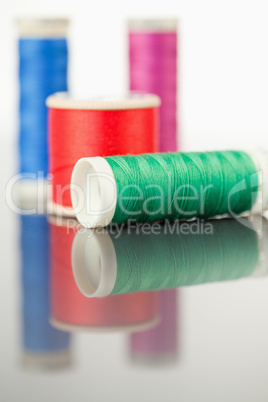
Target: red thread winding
{"x": 74, "y": 134}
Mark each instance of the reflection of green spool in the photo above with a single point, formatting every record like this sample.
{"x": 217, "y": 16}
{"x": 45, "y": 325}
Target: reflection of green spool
{"x": 168, "y": 261}
{"x": 228, "y": 251}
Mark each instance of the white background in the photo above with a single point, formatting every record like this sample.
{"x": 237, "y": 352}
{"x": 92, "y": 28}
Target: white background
{"x": 223, "y": 66}
{"x": 223, "y": 104}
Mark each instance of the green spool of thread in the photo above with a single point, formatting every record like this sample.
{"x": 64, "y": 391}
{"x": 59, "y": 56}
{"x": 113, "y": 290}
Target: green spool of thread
{"x": 103, "y": 264}
{"x": 153, "y": 187}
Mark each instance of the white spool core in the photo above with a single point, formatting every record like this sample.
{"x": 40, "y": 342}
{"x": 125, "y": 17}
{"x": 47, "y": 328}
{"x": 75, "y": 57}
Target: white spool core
{"x": 153, "y": 25}
{"x": 94, "y": 263}
{"x": 260, "y": 225}
{"x": 27, "y": 196}
{"x": 46, "y": 361}
{"x": 131, "y": 100}
{"x": 260, "y": 159}
{"x": 93, "y": 192}
{"x": 40, "y": 27}
{"x": 60, "y": 210}
{"x": 128, "y": 328}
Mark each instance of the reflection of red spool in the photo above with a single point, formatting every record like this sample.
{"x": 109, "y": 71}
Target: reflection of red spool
{"x": 79, "y": 128}
{"x": 160, "y": 343}
{"x": 71, "y": 310}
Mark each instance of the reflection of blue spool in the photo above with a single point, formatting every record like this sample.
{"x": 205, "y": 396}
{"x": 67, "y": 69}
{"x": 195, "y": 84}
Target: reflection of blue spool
{"x": 43, "y": 71}
{"x": 39, "y": 337}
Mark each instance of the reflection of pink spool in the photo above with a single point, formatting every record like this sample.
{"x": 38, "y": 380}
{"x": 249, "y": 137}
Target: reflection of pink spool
{"x": 160, "y": 343}
{"x": 72, "y": 311}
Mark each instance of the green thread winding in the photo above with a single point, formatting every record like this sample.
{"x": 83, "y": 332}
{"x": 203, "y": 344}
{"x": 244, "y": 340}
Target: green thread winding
{"x": 154, "y": 187}
{"x": 166, "y": 260}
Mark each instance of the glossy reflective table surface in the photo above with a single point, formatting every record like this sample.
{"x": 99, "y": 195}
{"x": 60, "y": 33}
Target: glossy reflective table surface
{"x": 184, "y": 315}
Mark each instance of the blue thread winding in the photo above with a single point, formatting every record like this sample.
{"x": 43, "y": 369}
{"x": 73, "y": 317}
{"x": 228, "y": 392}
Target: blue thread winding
{"x": 38, "y": 334}
{"x": 42, "y": 72}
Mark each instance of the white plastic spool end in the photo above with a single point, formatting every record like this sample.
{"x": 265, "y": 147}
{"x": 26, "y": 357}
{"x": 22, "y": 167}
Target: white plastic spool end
{"x": 28, "y": 196}
{"x": 93, "y": 192}
{"x": 153, "y": 24}
{"x": 94, "y": 263}
{"x": 43, "y": 27}
{"x": 127, "y": 101}
{"x": 260, "y": 159}
{"x": 260, "y": 225}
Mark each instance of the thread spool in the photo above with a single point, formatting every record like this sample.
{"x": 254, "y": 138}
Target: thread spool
{"x": 224, "y": 250}
{"x": 43, "y": 57}
{"x": 153, "y": 69}
{"x": 72, "y": 311}
{"x": 153, "y": 187}
{"x": 43, "y": 346}
{"x": 160, "y": 344}
{"x": 105, "y": 126}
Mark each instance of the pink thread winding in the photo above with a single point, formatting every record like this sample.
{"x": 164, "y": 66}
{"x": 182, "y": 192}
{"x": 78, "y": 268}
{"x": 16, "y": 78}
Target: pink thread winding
{"x": 153, "y": 69}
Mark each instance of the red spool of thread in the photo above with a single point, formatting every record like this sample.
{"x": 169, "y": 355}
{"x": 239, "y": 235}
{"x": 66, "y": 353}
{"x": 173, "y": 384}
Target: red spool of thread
{"x": 102, "y": 127}
{"x": 72, "y": 311}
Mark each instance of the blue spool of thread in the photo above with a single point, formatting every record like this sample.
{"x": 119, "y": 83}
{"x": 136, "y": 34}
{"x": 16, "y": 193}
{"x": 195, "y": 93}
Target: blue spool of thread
{"x": 38, "y": 335}
{"x": 43, "y": 58}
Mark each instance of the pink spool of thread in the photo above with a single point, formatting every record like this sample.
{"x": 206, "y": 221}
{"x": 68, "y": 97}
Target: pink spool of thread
{"x": 153, "y": 69}
{"x": 160, "y": 344}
